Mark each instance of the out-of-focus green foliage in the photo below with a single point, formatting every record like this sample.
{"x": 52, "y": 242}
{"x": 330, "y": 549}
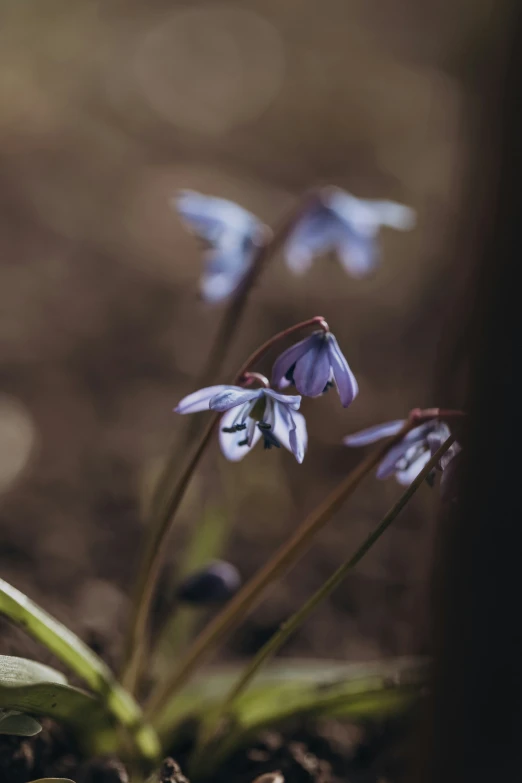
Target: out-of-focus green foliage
{"x": 82, "y": 660}
{"x": 34, "y": 689}
{"x": 290, "y": 688}
{"x": 17, "y": 724}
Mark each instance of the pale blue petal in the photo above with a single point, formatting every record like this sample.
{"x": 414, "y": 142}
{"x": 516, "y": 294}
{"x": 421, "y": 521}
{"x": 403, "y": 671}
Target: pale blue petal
{"x": 312, "y": 370}
{"x": 405, "y": 477}
{"x": 216, "y": 287}
{"x": 344, "y": 378}
{"x": 229, "y": 441}
{"x": 291, "y": 432}
{"x": 398, "y": 216}
{"x": 232, "y": 396}
{"x": 290, "y": 400}
{"x": 210, "y": 218}
{"x": 288, "y": 358}
{"x": 373, "y": 434}
{"x": 356, "y": 215}
{"x": 359, "y": 255}
{"x": 282, "y": 432}
{"x": 315, "y": 234}
{"x": 199, "y": 400}
{"x": 438, "y": 436}
{"x": 251, "y": 431}
{"x": 407, "y": 447}
{"x": 298, "y": 441}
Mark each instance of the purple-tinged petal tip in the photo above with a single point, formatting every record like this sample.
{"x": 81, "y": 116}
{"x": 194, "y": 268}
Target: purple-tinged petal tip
{"x": 198, "y": 400}
{"x": 375, "y": 433}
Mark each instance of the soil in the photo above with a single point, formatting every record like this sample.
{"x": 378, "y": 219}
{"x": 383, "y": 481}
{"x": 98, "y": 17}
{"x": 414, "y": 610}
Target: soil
{"x": 327, "y": 752}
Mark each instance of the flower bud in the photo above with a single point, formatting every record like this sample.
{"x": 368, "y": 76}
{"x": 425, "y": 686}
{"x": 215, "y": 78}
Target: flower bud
{"x": 214, "y": 584}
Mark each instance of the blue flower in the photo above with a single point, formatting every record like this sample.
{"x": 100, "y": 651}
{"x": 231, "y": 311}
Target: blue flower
{"x": 249, "y": 415}
{"x": 232, "y": 234}
{"x": 315, "y": 364}
{"x": 347, "y": 225}
{"x": 407, "y": 458}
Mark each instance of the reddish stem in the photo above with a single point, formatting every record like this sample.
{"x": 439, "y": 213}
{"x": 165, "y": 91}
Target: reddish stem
{"x": 421, "y": 415}
{"x": 258, "y": 354}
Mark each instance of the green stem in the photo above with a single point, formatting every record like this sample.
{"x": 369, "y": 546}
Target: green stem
{"x": 137, "y": 642}
{"x": 331, "y": 584}
{"x": 251, "y": 593}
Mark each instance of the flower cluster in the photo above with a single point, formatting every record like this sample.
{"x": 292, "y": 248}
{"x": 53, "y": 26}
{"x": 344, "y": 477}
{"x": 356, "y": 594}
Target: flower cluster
{"x": 330, "y": 221}
{"x": 334, "y": 221}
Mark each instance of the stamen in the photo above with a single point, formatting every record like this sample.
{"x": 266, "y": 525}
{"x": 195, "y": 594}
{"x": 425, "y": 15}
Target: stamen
{"x": 269, "y": 439}
{"x": 234, "y": 428}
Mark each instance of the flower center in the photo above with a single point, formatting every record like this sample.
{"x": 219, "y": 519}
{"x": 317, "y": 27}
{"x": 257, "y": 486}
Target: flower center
{"x": 269, "y": 439}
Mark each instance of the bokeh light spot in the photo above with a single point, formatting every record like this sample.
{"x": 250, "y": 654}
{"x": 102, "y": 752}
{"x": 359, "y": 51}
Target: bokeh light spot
{"x": 208, "y": 69}
{"x": 17, "y": 438}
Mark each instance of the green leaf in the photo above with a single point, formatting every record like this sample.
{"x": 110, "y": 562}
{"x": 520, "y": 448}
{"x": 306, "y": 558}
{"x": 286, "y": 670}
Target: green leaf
{"x": 16, "y": 671}
{"x": 34, "y": 689}
{"x": 53, "y": 780}
{"x": 290, "y": 689}
{"x": 19, "y": 725}
{"x": 83, "y": 661}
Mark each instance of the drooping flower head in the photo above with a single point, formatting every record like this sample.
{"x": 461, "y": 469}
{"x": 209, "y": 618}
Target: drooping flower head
{"x": 407, "y": 458}
{"x": 315, "y": 364}
{"x": 232, "y": 234}
{"x": 249, "y": 416}
{"x": 347, "y": 225}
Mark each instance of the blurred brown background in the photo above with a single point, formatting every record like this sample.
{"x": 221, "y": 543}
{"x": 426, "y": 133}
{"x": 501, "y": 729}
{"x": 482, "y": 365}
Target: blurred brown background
{"x": 106, "y": 109}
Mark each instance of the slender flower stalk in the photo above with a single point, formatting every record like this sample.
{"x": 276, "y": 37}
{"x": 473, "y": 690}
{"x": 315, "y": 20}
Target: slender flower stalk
{"x": 248, "y": 597}
{"x": 171, "y": 486}
{"x": 288, "y": 628}
{"x": 165, "y": 510}
{"x": 228, "y": 328}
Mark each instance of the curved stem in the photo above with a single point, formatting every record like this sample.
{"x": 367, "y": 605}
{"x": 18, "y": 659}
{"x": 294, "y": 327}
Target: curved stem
{"x": 166, "y": 498}
{"x": 228, "y": 328}
{"x": 290, "y": 626}
{"x": 258, "y": 354}
{"x": 152, "y": 560}
{"x": 285, "y": 557}
{"x": 165, "y": 510}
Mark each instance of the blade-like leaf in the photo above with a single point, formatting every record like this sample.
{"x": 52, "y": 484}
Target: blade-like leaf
{"x": 281, "y": 679}
{"x": 359, "y": 692}
{"x": 34, "y": 689}
{"x": 16, "y": 671}
{"x": 82, "y": 660}
{"x": 19, "y": 725}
